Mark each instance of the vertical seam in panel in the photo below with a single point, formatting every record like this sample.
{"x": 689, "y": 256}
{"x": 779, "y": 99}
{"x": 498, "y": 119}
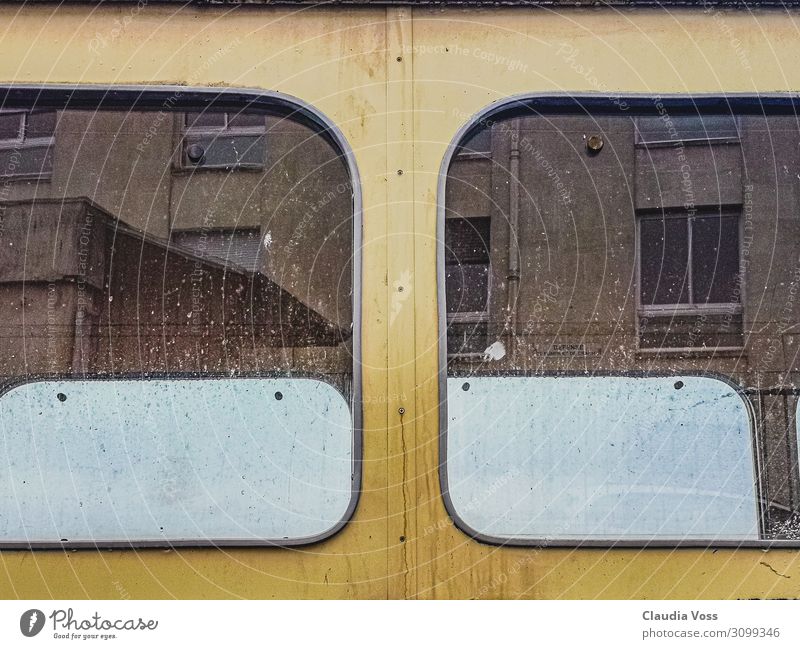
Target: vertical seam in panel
{"x": 385, "y": 269}
{"x": 412, "y": 548}
{"x": 400, "y": 290}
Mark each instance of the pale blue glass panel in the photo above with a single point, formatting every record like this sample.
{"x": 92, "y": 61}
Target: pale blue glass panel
{"x": 177, "y": 460}
{"x": 601, "y": 458}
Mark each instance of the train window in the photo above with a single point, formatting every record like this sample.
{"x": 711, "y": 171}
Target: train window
{"x": 224, "y": 140}
{"x": 627, "y": 379}
{"x": 26, "y": 144}
{"x": 178, "y": 345}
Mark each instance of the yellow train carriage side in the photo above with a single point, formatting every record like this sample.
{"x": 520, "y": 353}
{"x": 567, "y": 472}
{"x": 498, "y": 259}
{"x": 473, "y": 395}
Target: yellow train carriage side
{"x": 399, "y": 82}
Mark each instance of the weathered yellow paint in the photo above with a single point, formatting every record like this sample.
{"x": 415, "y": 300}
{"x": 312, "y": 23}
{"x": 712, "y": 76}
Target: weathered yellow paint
{"x": 401, "y": 115}
{"x": 401, "y": 281}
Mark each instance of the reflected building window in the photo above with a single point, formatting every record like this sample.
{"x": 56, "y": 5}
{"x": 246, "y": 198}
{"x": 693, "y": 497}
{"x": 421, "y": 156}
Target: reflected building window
{"x": 27, "y": 139}
{"x": 468, "y": 256}
{"x": 224, "y": 140}
{"x": 467, "y": 271}
{"x": 689, "y": 280}
{"x": 238, "y": 247}
{"x": 688, "y": 130}
{"x": 689, "y": 177}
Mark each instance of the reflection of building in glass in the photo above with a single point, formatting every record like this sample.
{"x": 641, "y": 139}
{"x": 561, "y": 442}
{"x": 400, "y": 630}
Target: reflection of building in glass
{"x": 123, "y": 256}
{"x": 634, "y": 250}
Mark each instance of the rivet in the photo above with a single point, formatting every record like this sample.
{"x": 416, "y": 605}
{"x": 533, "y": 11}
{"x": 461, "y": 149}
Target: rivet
{"x": 399, "y": 172}
{"x": 399, "y": 58}
{"x": 401, "y": 410}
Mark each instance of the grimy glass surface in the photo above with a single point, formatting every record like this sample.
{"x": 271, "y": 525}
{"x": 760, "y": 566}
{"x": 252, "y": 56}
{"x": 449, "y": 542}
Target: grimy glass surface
{"x": 243, "y": 459}
{"x": 642, "y": 470}
{"x": 161, "y": 245}
{"x": 638, "y": 249}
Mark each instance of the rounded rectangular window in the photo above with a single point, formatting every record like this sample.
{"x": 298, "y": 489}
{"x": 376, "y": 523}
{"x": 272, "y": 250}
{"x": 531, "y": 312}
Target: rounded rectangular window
{"x": 617, "y": 299}
{"x": 180, "y": 325}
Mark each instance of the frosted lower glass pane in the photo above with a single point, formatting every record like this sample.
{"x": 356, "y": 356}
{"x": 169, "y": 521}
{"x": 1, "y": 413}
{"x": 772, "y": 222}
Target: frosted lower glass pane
{"x": 606, "y": 457}
{"x": 175, "y": 460}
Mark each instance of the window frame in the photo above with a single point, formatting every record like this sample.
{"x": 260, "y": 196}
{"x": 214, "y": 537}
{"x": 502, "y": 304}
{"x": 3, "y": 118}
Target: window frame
{"x": 180, "y": 99}
{"x": 597, "y": 104}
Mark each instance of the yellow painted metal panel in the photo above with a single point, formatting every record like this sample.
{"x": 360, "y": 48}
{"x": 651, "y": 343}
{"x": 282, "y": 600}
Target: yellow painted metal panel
{"x": 335, "y": 61}
{"x": 401, "y": 115}
{"x": 464, "y": 61}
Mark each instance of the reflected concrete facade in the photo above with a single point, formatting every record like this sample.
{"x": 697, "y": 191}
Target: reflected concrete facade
{"x": 93, "y": 280}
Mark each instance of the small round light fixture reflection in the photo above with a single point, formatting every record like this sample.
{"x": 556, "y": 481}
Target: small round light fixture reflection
{"x": 594, "y": 144}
